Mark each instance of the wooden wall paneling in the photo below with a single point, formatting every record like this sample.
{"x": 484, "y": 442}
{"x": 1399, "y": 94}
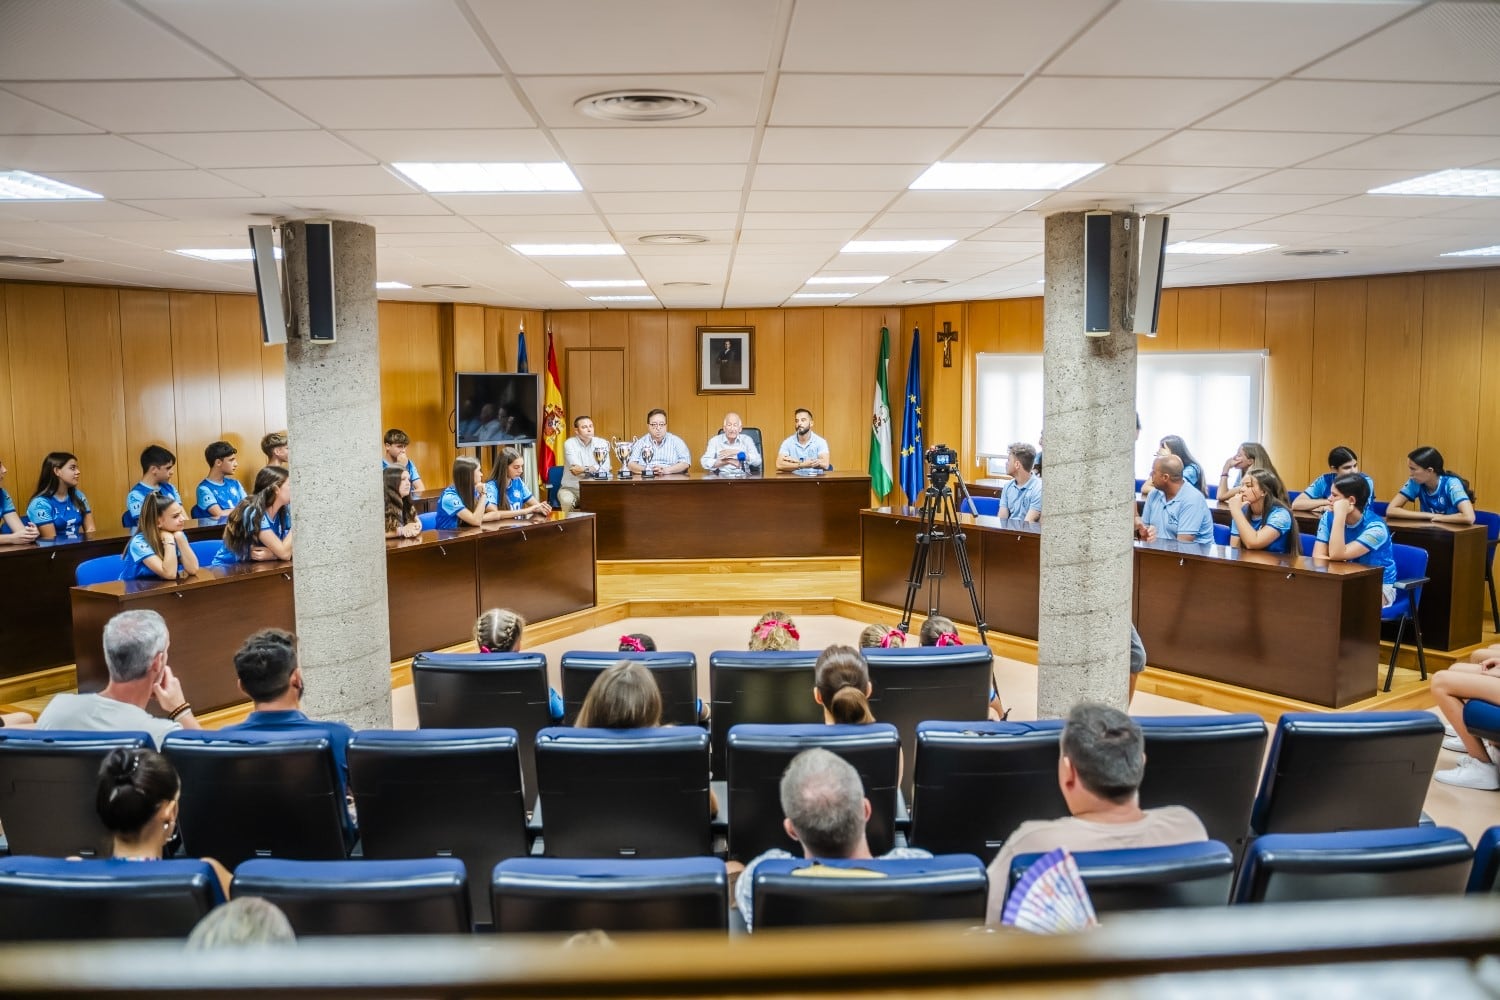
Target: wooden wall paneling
{"x": 1013, "y": 335}
{"x": 983, "y": 336}
{"x": 242, "y": 393}
{"x": 273, "y": 384}
{"x": 493, "y": 320}
{"x": 803, "y": 368}
{"x": 607, "y": 388}
{"x": 1338, "y": 360}
{"x": 98, "y": 399}
{"x": 1167, "y": 324}
{"x": 195, "y": 371}
{"x": 694, "y": 418}
{"x": 41, "y": 403}
{"x": 1392, "y": 382}
{"x": 468, "y": 338}
{"x": 1486, "y": 477}
{"x": 769, "y": 408}
{"x": 1288, "y": 406}
{"x": 577, "y": 384}
{"x": 1242, "y": 317}
{"x": 1036, "y": 324}
{"x": 432, "y": 387}
{"x": 1448, "y": 407}
{"x": 848, "y": 386}
{"x": 1198, "y": 319}
{"x": 146, "y": 365}
{"x": 646, "y": 370}
{"x": 944, "y": 398}
{"x": 15, "y": 483}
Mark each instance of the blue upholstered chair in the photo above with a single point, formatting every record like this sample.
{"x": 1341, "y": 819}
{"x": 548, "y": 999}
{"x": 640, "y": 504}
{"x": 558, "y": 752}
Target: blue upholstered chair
{"x": 49, "y": 780}
{"x": 911, "y": 686}
{"x": 100, "y": 569}
{"x": 1485, "y": 874}
{"x": 1221, "y": 534}
{"x": 771, "y": 687}
{"x": 1150, "y": 878}
{"x": 1208, "y": 763}
{"x": 422, "y": 896}
{"x": 428, "y": 520}
{"x": 676, "y": 674}
{"x": 554, "y": 895}
{"x": 1355, "y": 864}
{"x": 908, "y": 890}
{"x": 50, "y": 899}
{"x": 981, "y": 506}
{"x": 1491, "y": 523}
{"x": 1411, "y": 574}
{"x": 1482, "y": 718}
{"x": 554, "y": 480}
{"x": 205, "y": 549}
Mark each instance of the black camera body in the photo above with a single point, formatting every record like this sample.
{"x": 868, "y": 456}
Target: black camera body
{"x": 941, "y": 463}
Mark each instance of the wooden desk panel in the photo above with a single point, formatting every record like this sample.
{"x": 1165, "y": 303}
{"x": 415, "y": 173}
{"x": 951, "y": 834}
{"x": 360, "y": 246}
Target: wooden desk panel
{"x": 888, "y": 542}
{"x": 431, "y": 587}
{"x": 542, "y": 570}
{"x": 698, "y": 517}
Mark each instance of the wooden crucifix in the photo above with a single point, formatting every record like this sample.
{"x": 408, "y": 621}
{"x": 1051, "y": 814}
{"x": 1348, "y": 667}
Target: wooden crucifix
{"x": 946, "y": 336}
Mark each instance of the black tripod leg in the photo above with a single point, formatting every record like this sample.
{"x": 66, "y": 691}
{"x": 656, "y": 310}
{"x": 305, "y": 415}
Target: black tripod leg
{"x": 961, "y": 555}
{"x": 918, "y": 572}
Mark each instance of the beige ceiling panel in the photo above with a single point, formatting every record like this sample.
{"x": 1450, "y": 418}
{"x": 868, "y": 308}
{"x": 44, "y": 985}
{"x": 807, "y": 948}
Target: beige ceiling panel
{"x": 312, "y": 148}
{"x": 1117, "y": 102}
{"x": 1414, "y": 152}
{"x": 1339, "y": 106}
{"x": 887, "y": 101}
{"x": 1053, "y": 145}
{"x": 646, "y": 144}
{"x": 137, "y": 184}
{"x": 1211, "y": 148}
{"x": 856, "y": 145}
{"x": 93, "y": 40}
{"x": 662, "y": 177}
{"x": 1480, "y": 118}
{"x": 500, "y": 145}
{"x": 457, "y": 102}
{"x": 1455, "y": 42}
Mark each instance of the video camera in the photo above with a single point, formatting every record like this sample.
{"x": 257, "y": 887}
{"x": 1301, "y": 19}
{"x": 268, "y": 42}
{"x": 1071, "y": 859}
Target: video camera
{"x": 941, "y": 461}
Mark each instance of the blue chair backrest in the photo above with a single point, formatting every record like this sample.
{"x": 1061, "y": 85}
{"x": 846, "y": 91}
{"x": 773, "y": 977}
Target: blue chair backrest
{"x": 911, "y": 686}
{"x": 624, "y": 793}
{"x": 1411, "y": 564}
{"x": 1491, "y": 522}
{"x": 771, "y": 687}
{"x": 100, "y": 569}
{"x": 483, "y": 691}
{"x": 1486, "y": 870}
{"x": 759, "y": 755}
{"x": 205, "y": 549}
{"x": 248, "y": 795}
{"x": 1150, "y": 878}
{"x": 441, "y": 793}
{"x": 1379, "y": 507}
{"x": 554, "y": 480}
{"x": 1307, "y": 539}
{"x": 1482, "y": 718}
{"x": 753, "y": 433}
{"x": 556, "y": 895}
{"x": 948, "y": 887}
{"x": 422, "y": 896}
{"x": 1221, "y": 534}
{"x": 49, "y": 781}
{"x": 1208, "y": 763}
{"x": 676, "y": 674}
{"x": 50, "y": 899}
{"x": 427, "y": 519}
{"x": 1356, "y": 864}
{"x": 1323, "y": 766}
{"x": 982, "y": 506}
{"x": 977, "y": 781}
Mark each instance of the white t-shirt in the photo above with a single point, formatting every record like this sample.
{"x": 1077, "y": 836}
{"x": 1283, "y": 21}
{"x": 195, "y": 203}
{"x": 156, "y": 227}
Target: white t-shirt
{"x": 96, "y": 713}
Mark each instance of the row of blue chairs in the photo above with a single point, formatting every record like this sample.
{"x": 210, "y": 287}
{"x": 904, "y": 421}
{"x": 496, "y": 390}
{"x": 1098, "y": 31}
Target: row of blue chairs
{"x": 48, "y": 898}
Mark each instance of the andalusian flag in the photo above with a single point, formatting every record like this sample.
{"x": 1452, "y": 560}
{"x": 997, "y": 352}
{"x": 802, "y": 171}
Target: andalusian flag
{"x": 881, "y": 479}
{"x": 554, "y": 423}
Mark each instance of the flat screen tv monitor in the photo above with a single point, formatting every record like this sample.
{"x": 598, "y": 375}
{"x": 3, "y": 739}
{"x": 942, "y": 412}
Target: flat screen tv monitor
{"x": 497, "y": 408}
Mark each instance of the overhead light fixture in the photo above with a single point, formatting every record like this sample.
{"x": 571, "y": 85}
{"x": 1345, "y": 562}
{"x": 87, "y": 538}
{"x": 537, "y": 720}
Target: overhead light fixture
{"x": 568, "y": 249}
{"x": 896, "y": 246}
{"x": 1219, "y": 249}
{"x": 924, "y": 281}
{"x": 607, "y": 283}
{"x": 390, "y": 286}
{"x": 18, "y": 258}
{"x": 19, "y": 185}
{"x": 1325, "y": 252}
{"x": 848, "y": 279}
{"x": 643, "y": 105}
{"x": 686, "y": 284}
{"x": 223, "y": 255}
{"x": 1448, "y": 184}
{"x": 944, "y": 176}
{"x": 824, "y": 295}
{"x": 475, "y": 178}
{"x": 622, "y": 298}
{"x": 658, "y": 239}
{"x": 1493, "y": 251}
{"x": 446, "y": 286}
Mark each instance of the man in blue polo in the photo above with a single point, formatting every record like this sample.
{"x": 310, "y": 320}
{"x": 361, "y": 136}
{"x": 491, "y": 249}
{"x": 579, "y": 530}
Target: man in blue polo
{"x": 1175, "y": 510}
{"x": 804, "y": 449}
{"x": 1021, "y": 498}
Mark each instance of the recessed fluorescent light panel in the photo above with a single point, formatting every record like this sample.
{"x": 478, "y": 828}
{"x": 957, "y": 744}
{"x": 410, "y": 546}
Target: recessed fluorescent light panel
{"x": 1448, "y": 184}
{"x": 823, "y": 295}
{"x": 223, "y": 256}
{"x": 622, "y": 298}
{"x": 18, "y": 185}
{"x": 608, "y": 283}
{"x": 896, "y": 246}
{"x": 391, "y": 286}
{"x": 568, "y": 249}
{"x": 1493, "y": 251}
{"x": 472, "y": 178}
{"x": 851, "y": 279}
{"x": 1220, "y": 249}
{"x": 943, "y": 176}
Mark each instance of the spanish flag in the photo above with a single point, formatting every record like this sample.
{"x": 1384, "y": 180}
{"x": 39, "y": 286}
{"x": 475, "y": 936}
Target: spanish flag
{"x": 554, "y": 424}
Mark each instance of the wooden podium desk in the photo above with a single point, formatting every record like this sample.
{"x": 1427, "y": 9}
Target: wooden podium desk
{"x": 698, "y": 516}
{"x": 436, "y": 585}
{"x": 35, "y": 615}
{"x": 1302, "y": 628}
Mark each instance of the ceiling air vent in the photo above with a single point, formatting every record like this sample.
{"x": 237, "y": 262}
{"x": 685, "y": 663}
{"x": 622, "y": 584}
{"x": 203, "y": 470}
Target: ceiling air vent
{"x": 643, "y": 105}
{"x": 1313, "y": 253}
{"x": 16, "y": 258}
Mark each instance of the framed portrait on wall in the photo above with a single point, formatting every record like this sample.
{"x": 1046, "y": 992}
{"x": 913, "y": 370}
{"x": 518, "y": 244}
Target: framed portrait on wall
{"x": 726, "y": 363}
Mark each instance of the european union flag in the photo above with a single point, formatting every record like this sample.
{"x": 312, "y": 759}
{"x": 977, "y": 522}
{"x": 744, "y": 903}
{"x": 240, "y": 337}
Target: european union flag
{"x": 523, "y": 363}
{"x": 913, "y": 479}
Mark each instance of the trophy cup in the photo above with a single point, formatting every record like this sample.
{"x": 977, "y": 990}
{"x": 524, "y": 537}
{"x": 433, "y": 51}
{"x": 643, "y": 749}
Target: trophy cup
{"x": 601, "y": 460}
{"x": 648, "y": 452}
{"x": 622, "y": 449}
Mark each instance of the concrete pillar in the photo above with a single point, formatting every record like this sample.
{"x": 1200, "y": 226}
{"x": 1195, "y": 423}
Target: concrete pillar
{"x": 1083, "y": 648}
{"x": 333, "y": 425}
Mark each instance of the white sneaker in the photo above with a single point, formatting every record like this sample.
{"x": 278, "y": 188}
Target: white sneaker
{"x": 1457, "y": 746}
{"x": 1471, "y": 773}
{"x": 1450, "y": 731}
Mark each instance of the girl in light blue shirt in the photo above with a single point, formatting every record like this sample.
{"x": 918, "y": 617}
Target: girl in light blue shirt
{"x": 59, "y": 508}
{"x": 1263, "y": 520}
{"x": 259, "y": 528}
{"x": 159, "y": 548}
{"x": 1439, "y": 495}
{"x": 515, "y": 498}
{"x": 1341, "y": 462}
{"x": 12, "y": 530}
{"x": 1352, "y": 532}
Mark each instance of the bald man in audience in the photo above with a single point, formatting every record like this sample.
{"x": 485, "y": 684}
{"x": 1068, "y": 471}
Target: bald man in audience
{"x": 1175, "y": 510}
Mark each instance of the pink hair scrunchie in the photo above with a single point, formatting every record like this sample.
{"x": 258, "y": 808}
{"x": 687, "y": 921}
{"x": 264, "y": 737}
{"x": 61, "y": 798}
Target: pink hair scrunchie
{"x": 949, "y": 639}
{"x": 895, "y": 637}
{"x": 630, "y": 644}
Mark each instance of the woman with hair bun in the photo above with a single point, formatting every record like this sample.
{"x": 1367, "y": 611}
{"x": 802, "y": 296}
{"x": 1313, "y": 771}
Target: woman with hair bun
{"x": 842, "y": 686}
{"x": 137, "y": 802}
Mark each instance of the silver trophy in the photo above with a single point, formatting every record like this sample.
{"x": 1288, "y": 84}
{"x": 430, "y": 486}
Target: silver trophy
{"x": 601, "y": 460}
{"x": 622, "y": 449}
{"x": 648, "y": 452}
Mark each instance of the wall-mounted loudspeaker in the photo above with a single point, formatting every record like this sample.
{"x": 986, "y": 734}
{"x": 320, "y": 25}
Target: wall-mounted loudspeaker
{"x": 268, "y": 285}
{"x": 1147, "y": 297}
{"x": 1096, "y": 226}
{"x": 321, "y": 328}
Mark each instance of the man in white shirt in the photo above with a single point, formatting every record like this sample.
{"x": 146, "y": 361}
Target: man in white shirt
{"x": 135, "y": 650}
{"x": 668, "y": 453}
{"x": 724, "y": 448}
{"x": 1099, "y": 769}
{"x": 580, "y": 459}
{"x": 804, "y": 449}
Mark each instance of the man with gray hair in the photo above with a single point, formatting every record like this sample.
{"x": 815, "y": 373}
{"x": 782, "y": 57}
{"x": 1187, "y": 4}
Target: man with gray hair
{"x": 825, "y": 807}
{"x": 135, "y": 650}
{"x": 1099, "y": 769}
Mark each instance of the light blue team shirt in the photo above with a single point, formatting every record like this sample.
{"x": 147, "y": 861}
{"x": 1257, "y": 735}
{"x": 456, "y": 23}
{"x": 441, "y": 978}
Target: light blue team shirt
{"x": 1190, "y": 476}
{"x": 1185, "y": 514}
{"x": 1017, "y": 501}
{"x": 804, "y": 452}
{"x": 671, "y": 451}
{"x": 280, "y": 527}
{"x": 1320, "y": 488}
{"x": 137, "y": 496}
{"x": 411, "y": 469}
{"x": 1444, "y": 498}
{"x": 136, "y": 554}
{"x": 449, "y": 504}
{"x": 516, "y": 493}
{"x": 224, "y": 495}
{"x": 64, "y": 515}
{"x": 1373, "y": 534}
{"x": 7, "y": 506}
{"x": 1279, "y": 518}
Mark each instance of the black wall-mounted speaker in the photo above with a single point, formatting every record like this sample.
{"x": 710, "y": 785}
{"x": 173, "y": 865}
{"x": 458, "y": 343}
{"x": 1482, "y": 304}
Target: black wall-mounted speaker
{"x": 320, "y": 301}
{"x": 1096, "y": 227}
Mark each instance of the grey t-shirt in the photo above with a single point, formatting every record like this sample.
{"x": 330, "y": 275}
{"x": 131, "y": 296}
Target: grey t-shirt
{"x": 96, "y": 713}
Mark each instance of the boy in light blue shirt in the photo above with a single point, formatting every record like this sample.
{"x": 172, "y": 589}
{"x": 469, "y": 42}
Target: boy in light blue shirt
{"x": 220, "y": 492}
{"x": 157, "y": 466}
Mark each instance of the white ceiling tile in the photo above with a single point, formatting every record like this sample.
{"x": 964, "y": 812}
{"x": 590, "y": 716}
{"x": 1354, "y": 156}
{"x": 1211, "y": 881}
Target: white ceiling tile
{"x": 284, "y": 182}
{"x": 671, "y": 222}
{"x": 92, "y": 40}
{"x": 455, "y": 102}
{"x": 856, "y": 145}
{"x": 839, "y": 221}
{"x": 166, "y": 106}
{"x": 662, "y": 177}
{"x": 522, "y": 234}
{"x": 887, "y": 101}
{"x": 1170, "y": 38}
{"x": 1116, "y": 102}
{"x": 296, "y": 38}
{"x": 821, "y": 240}
{"x": 1414, "y": 152}
{"x": 1383, "y": 205}
{"x": 1170, "y": 180}
{"x": 818, "y": 201}
{"x": 928, "y": 225}
{"x": 219, "y": 210}
{"x": 1457, "y": 42}
{"x": 1479, "y": 118}
{"x": 736, "y": 96}
{"x": 74, "y": 211}
{"x": 1210, "y": 148}
{"x": 505, "y": 224}
{"x": 389, "y": 239}
{"x": 518, "y": 203}
{"x": 311, "y": 148}
{"x": 363, "y": 206}
{"x": 1254, "y": 204}
{"x": 654, "y": 145}
{"x": 19, "y": 116}
{"x": 430, "y": 224}
{"x": 1474, "y": 208}
{"x": 1053, "y": 145}
{"x": 1211, "y": 221}
{"x": 134, "y": 184}
{"x": 718, "y": 247}
{"x": 495, "y": 145}
{"x": 1086, "y": 201}
{"x": 966, "y": 201}
{"x": 1339, "y": 106}
{"x": 1319, "y": 181}
{"x": 621, "y": 202}
{"x": 828, "y": 178}
{"x": 1320, "y": 223}
{"x": 79, "y": 152}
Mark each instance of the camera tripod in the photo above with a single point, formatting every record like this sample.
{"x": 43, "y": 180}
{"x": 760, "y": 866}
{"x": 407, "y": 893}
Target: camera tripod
{"x": 937, "y": 500}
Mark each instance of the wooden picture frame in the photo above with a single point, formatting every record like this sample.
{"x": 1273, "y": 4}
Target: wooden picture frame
{"x": 726, "y": 360}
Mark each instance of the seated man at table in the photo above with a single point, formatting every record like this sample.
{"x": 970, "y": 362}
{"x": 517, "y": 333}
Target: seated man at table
{"x": 135, "y": 651}
{"x": 582, "y": 456}
{"x": 659, "y": 450}
{"x": 725, "y": 448}
{"x": 1175, "y": 510}
{"x": 1022, "y": 496}
{"x": 1101, "y": 761}
{"x": 804, "y": 449}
